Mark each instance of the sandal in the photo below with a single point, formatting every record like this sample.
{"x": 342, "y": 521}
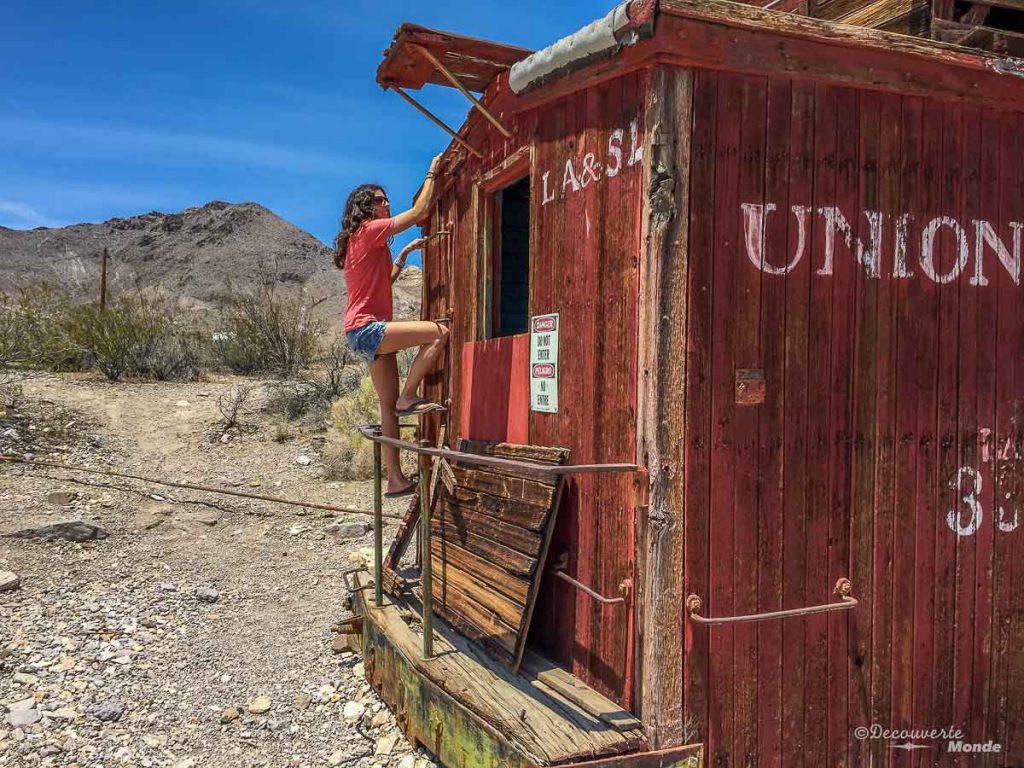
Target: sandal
{"x": 418, "y": 406}
{"x": 404, "y": 492}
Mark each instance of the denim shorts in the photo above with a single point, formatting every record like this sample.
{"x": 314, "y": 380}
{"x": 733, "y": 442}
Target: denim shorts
{"x": 366, "y": 340}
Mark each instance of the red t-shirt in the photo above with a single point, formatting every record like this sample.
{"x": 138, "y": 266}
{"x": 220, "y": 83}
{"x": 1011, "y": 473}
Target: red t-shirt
{"x": 368, "y": 274}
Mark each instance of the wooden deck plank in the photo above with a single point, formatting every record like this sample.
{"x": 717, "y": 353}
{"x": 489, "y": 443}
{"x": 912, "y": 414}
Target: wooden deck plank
{"x": 574, "y": 690}
{"x": 547, "y": 730}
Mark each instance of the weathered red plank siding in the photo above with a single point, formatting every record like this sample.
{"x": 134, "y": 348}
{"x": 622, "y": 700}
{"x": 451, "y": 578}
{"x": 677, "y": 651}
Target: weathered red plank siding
{"x": 892, "y": 415}
{"x": 584, "y": 246}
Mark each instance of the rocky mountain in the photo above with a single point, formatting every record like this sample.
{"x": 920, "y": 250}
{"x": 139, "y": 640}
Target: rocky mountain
{"x": 193, "y": 256}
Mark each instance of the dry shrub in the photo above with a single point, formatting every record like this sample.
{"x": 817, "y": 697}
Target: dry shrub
{"x": 233, "y": 405}
{"x": 33, "y": 330}
{"x": 134, "y": 336}
{"x": 348, "y": 455}
{"x": 259, "y": 332}
{"x": 312, "y": 396}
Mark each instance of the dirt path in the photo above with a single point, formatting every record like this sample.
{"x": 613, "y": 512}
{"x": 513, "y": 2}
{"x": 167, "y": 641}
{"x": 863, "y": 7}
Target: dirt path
{"x": 109, "y": 657}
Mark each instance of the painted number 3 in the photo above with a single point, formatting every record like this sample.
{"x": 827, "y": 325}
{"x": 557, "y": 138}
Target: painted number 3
{"x": 969, "y": 479}
{"x": 953, "y": 517}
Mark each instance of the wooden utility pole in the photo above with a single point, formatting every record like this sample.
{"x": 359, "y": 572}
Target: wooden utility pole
{"x": 103, "y": 281}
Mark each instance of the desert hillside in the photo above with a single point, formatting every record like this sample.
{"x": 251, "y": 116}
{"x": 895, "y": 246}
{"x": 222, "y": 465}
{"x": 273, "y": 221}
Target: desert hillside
{"x": 194, "y": 255}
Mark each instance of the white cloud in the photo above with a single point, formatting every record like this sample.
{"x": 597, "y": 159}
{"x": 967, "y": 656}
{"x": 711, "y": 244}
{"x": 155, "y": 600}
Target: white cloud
{"x": 18, "y": 215}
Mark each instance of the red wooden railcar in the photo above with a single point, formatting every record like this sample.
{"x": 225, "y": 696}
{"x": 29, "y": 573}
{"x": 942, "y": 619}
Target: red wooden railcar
{"x": 785, "y": 258}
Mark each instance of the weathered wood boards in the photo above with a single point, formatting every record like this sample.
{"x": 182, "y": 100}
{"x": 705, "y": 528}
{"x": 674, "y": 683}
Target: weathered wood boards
{"x": 473, "y": 712}
{"x": 491, "y": 528}
{"x": 890, "y": 348}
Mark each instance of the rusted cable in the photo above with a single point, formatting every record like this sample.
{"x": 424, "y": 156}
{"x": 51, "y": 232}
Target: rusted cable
{"x": 190, "y": 486}
{"x": 843, "y": 589}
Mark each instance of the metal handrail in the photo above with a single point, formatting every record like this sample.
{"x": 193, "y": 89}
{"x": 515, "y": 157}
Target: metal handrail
{"x": 843, "y": 589}
{"x": 561, "y": 574}
{"x": 422, "y": 450}
{"x": 372, "y": 432}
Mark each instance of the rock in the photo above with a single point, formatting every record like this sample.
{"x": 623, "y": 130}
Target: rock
{"x": 409, "y": 761}
{"x": 386, "y": 744}
{"x": 69, "y": 530}
{"x": 303, "y": 460}
{"x": 154, "y": 742}
{"x": 207, "y": 595}
{"x": 295, "y": 530}
{"x": 348, "y": 530}
{"x": 302, "y": 701}
{"x": 260, "y": 705}
{"x": 166, "y": 586}
{"x": 210, "y": 518}
{"x": 22, "y": 714}
{"x": 225, "y": 438}
{"x": 182, "y": 404}
{"x": 336, "y": 759}
{"x": 353, "y": 710}
{"x": 108, "y": 712}
{"x": 380, "y": 719}
{"x": 106, "y": 500}
{"x": 186, "y": 762}
{"x": 24, "y": 678}
{"x": 9, "y": 581}
{"x": 61, "y": 498}
{"x": 229, "y": 715}
{"x": 64, "y": 713}
{"x": 359, "y": 670}
{"x": 342, "y": 644}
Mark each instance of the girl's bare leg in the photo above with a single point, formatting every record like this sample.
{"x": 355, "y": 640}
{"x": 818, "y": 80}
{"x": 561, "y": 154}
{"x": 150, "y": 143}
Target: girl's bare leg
{"x": 432, "y": 336}
{"x": 384, "y": 375}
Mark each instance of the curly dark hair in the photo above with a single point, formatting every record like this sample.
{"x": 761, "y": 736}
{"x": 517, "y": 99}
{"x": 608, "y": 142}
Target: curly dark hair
{"x": 359, "y": 207}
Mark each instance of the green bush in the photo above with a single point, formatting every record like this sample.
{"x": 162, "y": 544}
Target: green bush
{"x": 33, "y": 331}
{"x": 261, "y": 333}
{"x": 134, "y": 337}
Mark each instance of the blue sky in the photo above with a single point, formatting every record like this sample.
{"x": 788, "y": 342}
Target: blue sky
{"x": 118, "y": 108}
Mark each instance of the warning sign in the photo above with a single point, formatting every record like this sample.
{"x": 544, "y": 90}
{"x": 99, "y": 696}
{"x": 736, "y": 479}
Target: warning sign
{"x": 544, "y": 363}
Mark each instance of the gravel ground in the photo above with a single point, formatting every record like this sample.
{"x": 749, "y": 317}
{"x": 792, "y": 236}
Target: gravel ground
{"x": 195, "y": 634}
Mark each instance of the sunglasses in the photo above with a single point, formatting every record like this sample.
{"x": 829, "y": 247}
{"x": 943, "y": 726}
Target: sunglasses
{"x": 380, "y": 199}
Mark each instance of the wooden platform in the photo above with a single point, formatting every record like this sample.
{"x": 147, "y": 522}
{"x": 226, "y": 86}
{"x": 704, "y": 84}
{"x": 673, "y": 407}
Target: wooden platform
{"x": 472, "y": 712}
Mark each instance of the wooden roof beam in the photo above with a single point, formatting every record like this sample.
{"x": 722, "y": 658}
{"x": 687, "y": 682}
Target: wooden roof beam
{"x": 425, "y": 53}
{"x": 436, "y": 120}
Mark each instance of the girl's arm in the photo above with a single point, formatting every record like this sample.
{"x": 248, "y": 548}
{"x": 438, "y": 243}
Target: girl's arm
{"x": 419, "y": 209}
{"x": 399, "y": 264}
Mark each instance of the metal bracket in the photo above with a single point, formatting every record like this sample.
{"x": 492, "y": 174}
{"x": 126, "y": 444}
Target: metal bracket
{"x": 425, "y": 53}
{"x": 437, "y": 121}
